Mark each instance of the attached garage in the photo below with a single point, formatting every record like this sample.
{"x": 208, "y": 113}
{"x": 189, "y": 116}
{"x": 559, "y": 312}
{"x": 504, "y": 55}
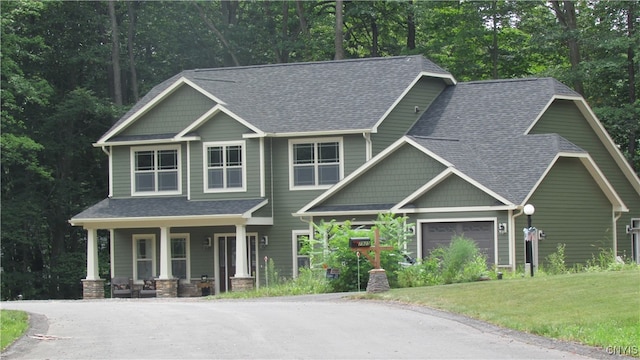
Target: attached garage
{"x": 436, "y": 234}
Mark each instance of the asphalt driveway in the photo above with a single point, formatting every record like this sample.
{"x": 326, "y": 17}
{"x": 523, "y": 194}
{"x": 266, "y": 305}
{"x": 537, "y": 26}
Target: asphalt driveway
{"x": 307, "y": 327}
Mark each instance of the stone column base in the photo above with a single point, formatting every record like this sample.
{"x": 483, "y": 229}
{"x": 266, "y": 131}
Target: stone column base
{"x": 242, "y": 284}
{"x": 92, "y": 289}
{"x": 167, "y": 288}
{"x": 378, "y": 281}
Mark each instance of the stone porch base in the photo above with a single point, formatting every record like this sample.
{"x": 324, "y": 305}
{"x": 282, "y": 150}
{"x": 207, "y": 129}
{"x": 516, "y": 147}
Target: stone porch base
{"x": 242, "y": 284}
{"x": 166, "y": 288}
{"x": 93, "y": 289}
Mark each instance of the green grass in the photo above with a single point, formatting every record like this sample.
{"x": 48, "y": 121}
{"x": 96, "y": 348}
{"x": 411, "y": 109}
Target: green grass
{"x": 599, "y": 309}
{"x": 12, "y": 325}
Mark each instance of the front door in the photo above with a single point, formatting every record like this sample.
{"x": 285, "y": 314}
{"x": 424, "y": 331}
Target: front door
{"x": 225, "y": 249}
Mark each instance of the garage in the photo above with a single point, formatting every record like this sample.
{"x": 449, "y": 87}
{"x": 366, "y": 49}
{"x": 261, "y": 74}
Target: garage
{"x": 436, "y": 234}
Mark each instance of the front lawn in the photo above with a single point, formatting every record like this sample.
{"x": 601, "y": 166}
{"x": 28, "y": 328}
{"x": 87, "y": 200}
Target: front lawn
{"x": 599, "y": 309}
{"x": 12, "y": 325}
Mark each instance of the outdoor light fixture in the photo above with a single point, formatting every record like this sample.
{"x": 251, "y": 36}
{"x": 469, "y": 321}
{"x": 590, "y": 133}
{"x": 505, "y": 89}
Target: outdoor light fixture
{"x": 528, "y": 236}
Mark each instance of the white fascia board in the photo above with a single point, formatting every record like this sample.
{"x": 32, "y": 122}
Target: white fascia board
{"x": 423, "y": 189}
{"x": 439, "y": 210}
{"x": 595, "y": 173}
{"x": 211, "y": 113}
{"x": 482, "y": 187}
{"x": 429, "y": 153}
{"x": 162, "y": 221}
{"x": 203, "y": 91}
{"x": 336, "y": 213}
{"x": 354, "y": 175}
{"x": 248, "y": 213}
{"x": 315, "y": 133}
{"x": 148, "y": 106}
{"x": 149, "y": 142}
{"x": 448, "y": 79}
{"x": 600, "y": 131}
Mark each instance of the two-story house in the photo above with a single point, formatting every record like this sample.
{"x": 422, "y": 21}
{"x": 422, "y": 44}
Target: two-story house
{"x": 216, "y": 170}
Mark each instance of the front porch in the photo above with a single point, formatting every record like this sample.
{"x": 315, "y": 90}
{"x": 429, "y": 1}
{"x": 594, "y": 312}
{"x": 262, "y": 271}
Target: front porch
{"x": 182, "y": 255}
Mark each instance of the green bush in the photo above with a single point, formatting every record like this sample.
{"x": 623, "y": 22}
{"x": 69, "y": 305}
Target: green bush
{"x": 556, "y": 263}
{"x": 461, "y": 261}
{"x": 329, "y": 249}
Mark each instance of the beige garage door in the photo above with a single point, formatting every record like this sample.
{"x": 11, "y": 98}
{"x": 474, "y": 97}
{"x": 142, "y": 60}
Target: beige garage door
{"x": 437, "y": 234}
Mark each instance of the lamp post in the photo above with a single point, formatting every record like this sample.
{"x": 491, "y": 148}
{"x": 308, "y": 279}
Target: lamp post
{"x": 528, "y": 238}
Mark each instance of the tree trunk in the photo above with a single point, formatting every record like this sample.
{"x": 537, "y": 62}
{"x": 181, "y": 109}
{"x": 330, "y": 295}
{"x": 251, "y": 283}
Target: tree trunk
{"x": 339, "y": 39}
{"x": 374, "y": 37}
{"x": 566, "y": 15}
{"x": 132, "y": 61}
{"x": 115, "y": 54}
{"x": 494, "y": 45}
{"x": 230, "y": 57}
{"x": 411, "y": 26}
{"x": 632, "y": 82}
{"x": 284, "y": 41}
{"x": 304, "y": 27}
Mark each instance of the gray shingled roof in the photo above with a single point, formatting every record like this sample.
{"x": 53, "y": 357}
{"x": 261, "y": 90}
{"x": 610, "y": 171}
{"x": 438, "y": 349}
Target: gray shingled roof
{"x": 154, "y": 207}
{"x": 307, "y": 97}
{"x": 479, "y": 127}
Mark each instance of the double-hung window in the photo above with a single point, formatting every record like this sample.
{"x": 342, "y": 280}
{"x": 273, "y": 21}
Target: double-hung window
{"x": 180, "y": 256}
{"x": 155, "y": 170}
{"x": 315, "y": 163}
{"x": 224, "y": 166}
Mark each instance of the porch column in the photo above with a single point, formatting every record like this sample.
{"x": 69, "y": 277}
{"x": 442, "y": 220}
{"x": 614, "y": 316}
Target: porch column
{"x": 92, "y": 255}
{"x": 166, "y": 285}
{"x": 165, "y": 255}
{"x": 242, "y": 281}
{"x": 241, "y": 251}
{"x": 92, "y": 285}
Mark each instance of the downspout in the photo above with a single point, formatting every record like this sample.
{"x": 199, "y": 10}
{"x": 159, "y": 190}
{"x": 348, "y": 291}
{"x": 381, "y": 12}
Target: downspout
{"x": 512, "y": 235}
{"x": 615, "y": 231}
{"x": 368, "y": 145}
{"x": 104, "y": 150}
{"x": 188, "y": 170}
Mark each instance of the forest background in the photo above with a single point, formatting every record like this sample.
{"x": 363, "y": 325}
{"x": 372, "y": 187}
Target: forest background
{"x": 70, "y": 69}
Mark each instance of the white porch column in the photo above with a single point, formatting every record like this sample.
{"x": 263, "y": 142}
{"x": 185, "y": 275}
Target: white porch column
{"x": 241, "y": 252}
{"x": 165, "y": 254}
{"x": 92, "y": 255}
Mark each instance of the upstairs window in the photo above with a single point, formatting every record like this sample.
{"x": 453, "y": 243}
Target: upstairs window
{"x": 315, "y": 164}
{"x": 155, "y": 170}
{"x": 224, "y": 166}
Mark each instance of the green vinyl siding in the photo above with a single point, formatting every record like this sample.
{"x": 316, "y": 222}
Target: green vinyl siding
{"x": 391, "y": 180}
{"x": 564, "y": 118}
{"x": 222, "y": 127}
{"x": 404, "y": 115}
{"x": 454, "y": 192}
{"x": 123, "y": 251}
{"x": 572, "y": 210}
{"x": 122, "y": 169}
{"x": 173, "y": 114}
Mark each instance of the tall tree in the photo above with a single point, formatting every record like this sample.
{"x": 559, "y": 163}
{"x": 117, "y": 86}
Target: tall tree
{"x": 567, "y": 17}
{"x": 339, "y": 31}
{"x": 115, "y": 54}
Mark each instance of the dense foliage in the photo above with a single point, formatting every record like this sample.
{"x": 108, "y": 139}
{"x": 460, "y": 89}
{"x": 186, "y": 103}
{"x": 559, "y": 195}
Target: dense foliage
{"x": 70, "y": 69}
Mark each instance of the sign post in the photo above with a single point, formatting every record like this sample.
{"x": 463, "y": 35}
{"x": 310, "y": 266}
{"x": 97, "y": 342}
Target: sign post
{"x": 378, "y": 281}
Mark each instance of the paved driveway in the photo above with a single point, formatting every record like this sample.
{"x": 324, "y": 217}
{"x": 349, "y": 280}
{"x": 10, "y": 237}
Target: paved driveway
{"x": 314, "y": 327}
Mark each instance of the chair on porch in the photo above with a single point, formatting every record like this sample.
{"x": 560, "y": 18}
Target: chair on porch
{"x": 148, "y": 288}
{"x": 121, "y": 287}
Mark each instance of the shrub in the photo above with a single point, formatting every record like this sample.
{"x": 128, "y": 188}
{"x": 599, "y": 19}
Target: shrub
{"x": 461, "y": 261}
{"x": 555, "y": 262}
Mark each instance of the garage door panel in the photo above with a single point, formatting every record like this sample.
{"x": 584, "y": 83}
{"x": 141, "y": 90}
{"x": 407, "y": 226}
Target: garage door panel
{"x": 440, "y": 234}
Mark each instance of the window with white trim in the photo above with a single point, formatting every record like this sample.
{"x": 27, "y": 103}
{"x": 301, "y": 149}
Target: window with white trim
{"x": 144, "y": 256}
{"x": 155, "y": 170}
{"x": 180, "y": 256}
{"x": 224, "y": 166}
{"x": 315, "y": 164}
{"x": 301, "y": 252}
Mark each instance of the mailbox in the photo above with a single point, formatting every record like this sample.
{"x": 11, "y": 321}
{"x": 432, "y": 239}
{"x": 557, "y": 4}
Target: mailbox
{"x": 359, "y": 242}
